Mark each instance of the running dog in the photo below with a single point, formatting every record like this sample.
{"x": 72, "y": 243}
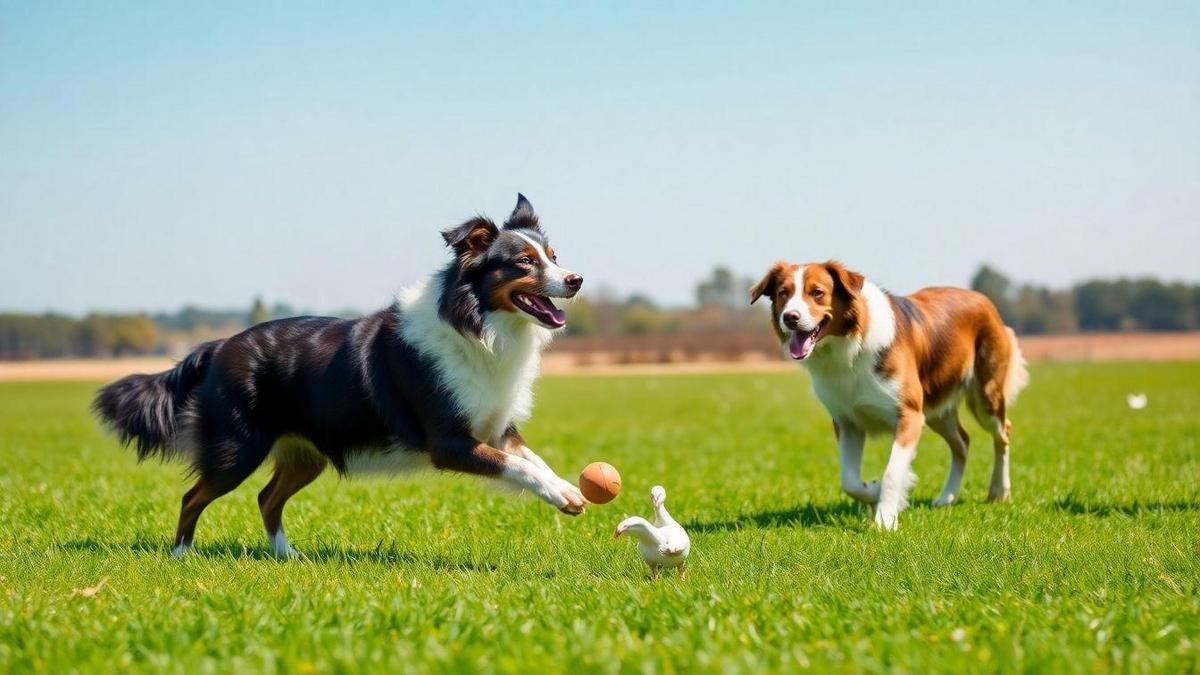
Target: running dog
{"x": 439, "y": 379}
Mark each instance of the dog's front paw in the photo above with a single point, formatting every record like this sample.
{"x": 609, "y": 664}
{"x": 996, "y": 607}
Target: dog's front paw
{"x": 887, "y": 519}
{"x": 575, "y": 503}
{"x": 563, "y": 496}
{"x": 999, "y": 495}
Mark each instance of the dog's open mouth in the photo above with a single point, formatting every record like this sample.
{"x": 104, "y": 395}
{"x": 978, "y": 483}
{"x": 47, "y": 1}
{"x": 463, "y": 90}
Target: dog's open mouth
{"x": 540, "y": 308}
{"x": 802, "y": 343}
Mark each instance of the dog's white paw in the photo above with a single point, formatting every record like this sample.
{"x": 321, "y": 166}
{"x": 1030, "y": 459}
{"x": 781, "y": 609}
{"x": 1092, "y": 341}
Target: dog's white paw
{"x": 863, "y": 492}
{"x": 566, "y": 486}
{"x": 280, "y": 548}
{"x": 564, "y": 496}
{"x": 887, "y": 519}
{"x": 546, "y": 485}
{"x": 181, "y": 550}
{"x": 945, "y": 499}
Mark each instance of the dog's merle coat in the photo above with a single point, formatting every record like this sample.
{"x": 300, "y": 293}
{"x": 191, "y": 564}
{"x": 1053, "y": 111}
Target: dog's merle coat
{"x": 440, "y": 378}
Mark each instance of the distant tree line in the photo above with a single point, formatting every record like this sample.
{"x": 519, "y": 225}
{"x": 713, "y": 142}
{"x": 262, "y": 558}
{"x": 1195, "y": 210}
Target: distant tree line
{"x": 27, "y": 336}
{"x": 48, "y": 336}
{"x": 722, "y": 307}
{"x": 192, "y": 317}
{"x": 1096, "y": 305}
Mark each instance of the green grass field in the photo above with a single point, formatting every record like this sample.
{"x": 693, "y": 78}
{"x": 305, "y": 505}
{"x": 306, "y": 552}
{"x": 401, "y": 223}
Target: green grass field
{"x": 1093, "y": 566}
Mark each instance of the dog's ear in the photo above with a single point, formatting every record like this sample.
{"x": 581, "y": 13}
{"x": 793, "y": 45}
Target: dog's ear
{"x": 846, "y": 283}
{"x": 522, "y": 216}
{"x": 768, "y": 284}
{"x": 472, "y": 238}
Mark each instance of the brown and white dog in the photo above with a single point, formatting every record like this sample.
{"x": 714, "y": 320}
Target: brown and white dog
{"x": 882, "y": 363}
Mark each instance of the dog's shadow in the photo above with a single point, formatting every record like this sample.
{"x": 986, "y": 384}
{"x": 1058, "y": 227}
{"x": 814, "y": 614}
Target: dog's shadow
{"x": 319, "y": 553}
{"x": 1076, "y": 506}
{"x": 839, "y": 514}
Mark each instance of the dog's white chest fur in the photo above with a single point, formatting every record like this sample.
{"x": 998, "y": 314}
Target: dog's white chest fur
{"x": 491, "y": 380}
{"x": 856, "y": 393}
{"x": 844, "y": 374}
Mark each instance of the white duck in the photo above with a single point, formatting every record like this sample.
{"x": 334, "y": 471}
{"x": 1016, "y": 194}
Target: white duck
{"x": 663, "y": 543}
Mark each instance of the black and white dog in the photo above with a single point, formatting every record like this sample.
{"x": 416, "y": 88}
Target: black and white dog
{"x": 439, "y": 379}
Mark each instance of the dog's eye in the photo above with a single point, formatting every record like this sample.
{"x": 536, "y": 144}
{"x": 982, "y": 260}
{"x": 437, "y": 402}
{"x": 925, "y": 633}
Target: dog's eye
{"x": 817, "y": 294}
{"x": 524, "y": 260}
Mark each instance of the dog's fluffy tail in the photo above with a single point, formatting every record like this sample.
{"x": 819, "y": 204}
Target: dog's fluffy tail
{"x": 1018, "y": 375}
{"x": 143, "y": 409}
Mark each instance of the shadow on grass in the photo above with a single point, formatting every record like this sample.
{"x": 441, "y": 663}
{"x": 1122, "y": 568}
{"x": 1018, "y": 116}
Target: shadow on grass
{"x": 322, "y": 554}
{"x": 1072, "y": 504}
{"x": 808, "y": 515}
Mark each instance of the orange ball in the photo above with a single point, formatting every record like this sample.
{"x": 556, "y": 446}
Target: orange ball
{"x": 600, "y": 482}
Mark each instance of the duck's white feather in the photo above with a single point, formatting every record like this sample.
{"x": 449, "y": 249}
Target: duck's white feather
{"x": 675, "y": 538}
{"x": 658, "y": 546}
{"x": 663, "y": 543}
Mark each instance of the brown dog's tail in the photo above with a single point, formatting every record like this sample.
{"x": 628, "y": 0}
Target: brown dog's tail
{"x": 1017, "y": 376}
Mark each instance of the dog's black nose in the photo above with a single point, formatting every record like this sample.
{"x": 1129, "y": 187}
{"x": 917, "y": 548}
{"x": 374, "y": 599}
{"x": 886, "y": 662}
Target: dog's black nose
{"x": 573, "y": 282}
{"x": 791, "y": 319}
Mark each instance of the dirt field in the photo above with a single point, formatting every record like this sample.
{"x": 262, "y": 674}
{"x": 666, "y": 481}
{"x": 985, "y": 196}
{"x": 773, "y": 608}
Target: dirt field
{"x": 1113, "y": 347}
{"x": 80, "y": 369}
{"x": 1092, "y": 347}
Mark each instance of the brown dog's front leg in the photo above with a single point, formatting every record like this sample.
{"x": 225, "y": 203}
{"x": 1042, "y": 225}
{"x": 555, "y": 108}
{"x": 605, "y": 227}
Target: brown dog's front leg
{"x": 851, "y": 441}
{"x": 898, "y": 477}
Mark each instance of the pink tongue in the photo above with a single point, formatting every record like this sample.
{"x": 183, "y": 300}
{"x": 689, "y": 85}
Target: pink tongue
{"x": 556, "y": 315}
{"x": 800, "y": 345}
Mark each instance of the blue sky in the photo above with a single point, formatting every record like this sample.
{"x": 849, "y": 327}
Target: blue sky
{"x": 156, "y": 154}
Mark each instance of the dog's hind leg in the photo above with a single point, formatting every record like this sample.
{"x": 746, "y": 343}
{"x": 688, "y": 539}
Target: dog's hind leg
{"x": 991, "y": 413}
{"x": 215, "y": 480}
{"x": 988, "y": 401}
{"x": 948, "y": 427}
{"x": 1000, "y": 489}
{"x": 195, "y": 501}
{"x": 204, "y": 492}
{"x": 292, "y": 474}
